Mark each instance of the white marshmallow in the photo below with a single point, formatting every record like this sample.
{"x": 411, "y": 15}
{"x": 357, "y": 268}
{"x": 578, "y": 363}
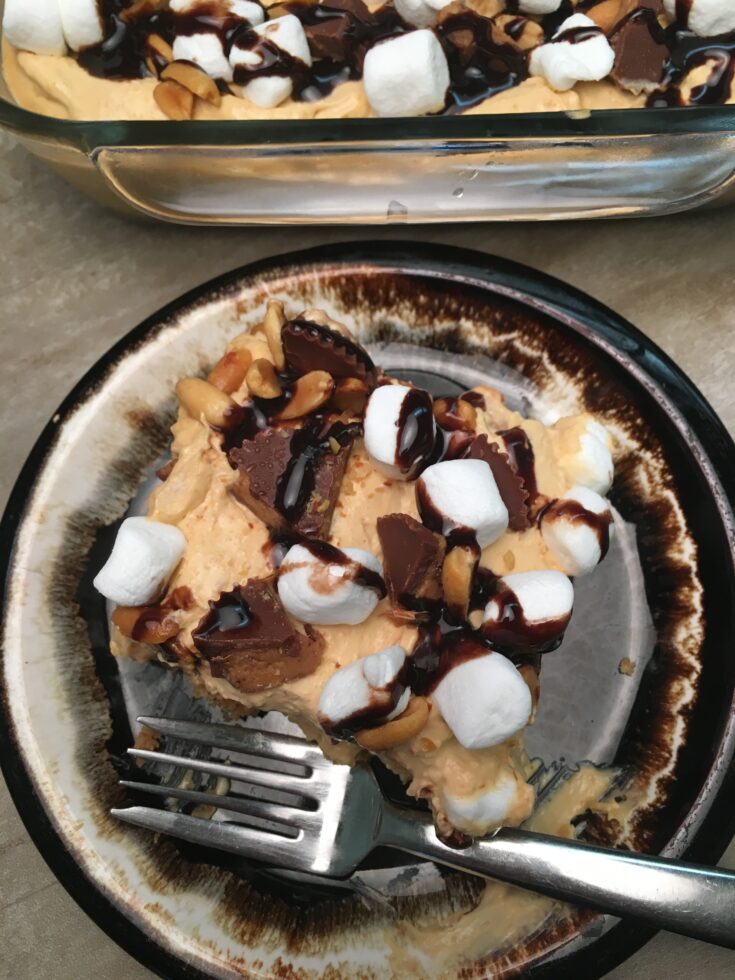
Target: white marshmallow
{"x": 539, "y": 6}
{"x": 542, "y": 596}
{"x": 34, "y": 26}
{"x": 563, "y": 63}
{"x": 575, "y": 545}
{"x": 323, "y": 593}
{"x": 82, "y": 23}
{"x": 382, "y": 429}
{"x": 592, "y": 466}
{"x": 420, "y": 13}
{"x": 288, "y": 34}
{"x": 253, "y": 13}
{"x": 707, "y": 17}
{"x": 465, "y": 494}
{"x": 475, "y": 814}
{"x": 406, "y": 75}
{"x": 205, "y": 50}
{"x": 484, "y": 701}
{"x": 142, "y": 561}
{"x": 367, "y": 684}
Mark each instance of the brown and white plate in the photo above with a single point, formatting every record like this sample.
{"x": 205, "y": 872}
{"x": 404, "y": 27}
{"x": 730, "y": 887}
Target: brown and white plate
{"x": 645, "y": 680}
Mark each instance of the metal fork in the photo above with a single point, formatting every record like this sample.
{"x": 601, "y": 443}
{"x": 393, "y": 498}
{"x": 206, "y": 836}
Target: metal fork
{"x": 330, "y": 817}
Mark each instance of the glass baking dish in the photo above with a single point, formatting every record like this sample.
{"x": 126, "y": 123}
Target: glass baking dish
{"x": 380, "y": 171}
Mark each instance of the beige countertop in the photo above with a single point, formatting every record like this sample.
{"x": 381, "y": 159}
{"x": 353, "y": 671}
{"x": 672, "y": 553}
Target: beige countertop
{"x": 75, "y": 278}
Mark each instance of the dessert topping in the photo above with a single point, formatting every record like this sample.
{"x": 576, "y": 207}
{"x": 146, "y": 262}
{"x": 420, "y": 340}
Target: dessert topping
{"x": 262, "y": 380}
{"x": 310, "y": 346}
{"x": 529, "y": 613}
{"x": 401, "y": 729}
{"x": 455, "y": 414}
{"x": 457, "y": 577}
{"x": 247, "y": 638}
{"x": 578, "y": 52}
{"x": 400, "y": 431}
{"x": 34, "y": 26}
{"x": 306, "y": 395}
{"x": 706, "y": 18}
{"x": 413, "y": 557}
{"x": 407, "y": 75}
{"x": 641, "y": 52}
{"x": 268, "y": 59}
{"x": 324, "y": 585}
{"x": 82, "y": 23}
{"x": 514, "y": 484}
{"x": 200, "y": 398}
{"x": 576, "y": 530}
{"x": 273, "y": 324}
{"x": 174, "y": 100}
{"x": 365, "y": 694}
{"x": 193, "y": 78}
{"x": 459, "y": 498}
{"x": 420, "y": 13}
{"x": 229, "y": 372}
{"x": 142, "y": 561}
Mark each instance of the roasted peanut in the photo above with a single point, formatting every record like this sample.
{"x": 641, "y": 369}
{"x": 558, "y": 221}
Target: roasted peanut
{"x": 158, "y": 54}
{"x": 174, "y": 100}
{"x": 308, "y": 393}
{"x": 397, "y": 731}
{"x": 530, "y": 36}
{"x": 455, "y": 413}
{"x": 262, "y": 379}
{"x": 457, "y": 574}
{"x": 323, "y": 319}
{"x": 273, "y": 324}
{"x": 200, "y": 398}
{"x": 144, "y": 623}
{"x": 351, "y": 396}
{"x": 609, "y": 13}
{"x": 229, "y": 372}
{"x": 193, "y": 78}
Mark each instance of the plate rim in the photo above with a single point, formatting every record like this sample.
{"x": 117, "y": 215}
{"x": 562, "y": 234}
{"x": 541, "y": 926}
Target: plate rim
{"x": 716, "y": 830}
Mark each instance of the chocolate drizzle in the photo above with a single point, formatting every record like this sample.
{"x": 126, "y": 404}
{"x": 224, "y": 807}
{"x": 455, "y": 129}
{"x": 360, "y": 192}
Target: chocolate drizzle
{"x": 331, "y": 555}
{"x": 520, "y": 451}
{"x": 416, "y": 442}
{"x": 383, "y": 701}
{"x": 440, "y": 648}
{"x": 513, "y": 635}
{"x": 575, "y": 513}
{"x": 692, "y": 52}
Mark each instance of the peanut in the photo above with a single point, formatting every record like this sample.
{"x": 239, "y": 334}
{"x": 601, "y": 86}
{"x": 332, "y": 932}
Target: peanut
{"x": 530, "y": 37}
{"x": 308, "y": 393}
{"x": 455, "y": 413}
{"x": 174, "y": 100}
{"x": 457, "y": 573}
{"x": 397, "y": 731}
{"x": 323, "y": 319}
{"x": 157, "y": 51}
{"x": 273, "y": 324}
{"x": 351, "y": 395}
{"x": 229, "y": 372}
{"x": 142, "y": 623}
{"x": 200, "y": 398}
{"x": 609, "y": 13}
{"x": 262, "y": 379}
{"x": 193, "y": 78}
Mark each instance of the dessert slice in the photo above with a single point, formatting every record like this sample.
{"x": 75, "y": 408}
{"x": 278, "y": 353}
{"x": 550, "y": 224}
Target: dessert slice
{"x": 388, "y": 570}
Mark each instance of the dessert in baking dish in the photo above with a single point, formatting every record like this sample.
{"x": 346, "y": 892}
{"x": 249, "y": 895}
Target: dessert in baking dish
{"x": 387, "y": 569}
{"x": 286, "y": 59}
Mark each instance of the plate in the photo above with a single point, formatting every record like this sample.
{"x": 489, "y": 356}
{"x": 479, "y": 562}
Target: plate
{"x": 644, "y": 683}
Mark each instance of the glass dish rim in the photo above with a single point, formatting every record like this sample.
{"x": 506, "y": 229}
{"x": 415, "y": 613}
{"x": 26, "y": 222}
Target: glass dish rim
{"x": 445, "y": 131}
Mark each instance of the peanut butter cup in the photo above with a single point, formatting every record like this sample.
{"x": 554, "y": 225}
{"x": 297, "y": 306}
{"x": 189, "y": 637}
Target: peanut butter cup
{"x": 311, "y": 346}
{"x": 511, "y": 485}
{"x": 412, "y": 558}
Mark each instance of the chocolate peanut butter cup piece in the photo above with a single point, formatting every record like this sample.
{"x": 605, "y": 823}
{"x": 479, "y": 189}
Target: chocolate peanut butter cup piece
{"x": 311, "y": 346}
{"x": 248, "y": 639}
{"x": 291, "y": 477}
{"x": 511, "y": 486}
{"x": 641, "y": 52}
{"x": 412, "y": 559}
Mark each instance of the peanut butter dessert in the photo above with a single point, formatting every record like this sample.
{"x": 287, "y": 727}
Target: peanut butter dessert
{"x": 387, "y": 569}
{"x": 299, "y": 59}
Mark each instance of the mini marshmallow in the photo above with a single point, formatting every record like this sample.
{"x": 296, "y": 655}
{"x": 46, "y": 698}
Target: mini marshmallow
{"x": 34, "y": 26}
{"x": 142, "y": 561}
{"x": 288, "y": 34}
{"x": 706, "y": 18}
{"x": 538, "y": 6}
{"x": 462, "y": 494}
{"x": 205, "y": 50}
{"x": 383, "y": 429}
{"x": 593, "y": 465}
{"x": 575, "y": 545}
{"x": 366, "y": 685}
{"x": 542, "y": 596}
{"x": 564, "y": 63}
{"x": 484, "y": 701}
{"x": 253, "y": 13}
{"x": 477, "y": 813}
{"x": 82, "y": 23}
{"x": 406, "y": 75}
{"x": 324, "y": 593}
{"x": 420, "y": 13}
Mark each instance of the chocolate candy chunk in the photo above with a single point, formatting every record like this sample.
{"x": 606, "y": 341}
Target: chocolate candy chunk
{"x": 412, "y": 558}
{"x": 640, "y": 52}
{"x": 510, "y": 485}
{"x": 249, "y": 640}
{"x": 290, "y": 478}
{"x": 312, "y": 347}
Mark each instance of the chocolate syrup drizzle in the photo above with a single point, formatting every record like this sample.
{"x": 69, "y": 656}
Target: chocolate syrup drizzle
{"x": 520, "y": 451}
{"x": 416, "y": 442}
{"x": 374, "y": 714}
{"x": 331, "y": 555}
{"x": 575, "y": 513}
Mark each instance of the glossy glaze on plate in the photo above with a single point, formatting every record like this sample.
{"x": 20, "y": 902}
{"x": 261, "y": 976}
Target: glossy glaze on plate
{"x": 66, "y": 720}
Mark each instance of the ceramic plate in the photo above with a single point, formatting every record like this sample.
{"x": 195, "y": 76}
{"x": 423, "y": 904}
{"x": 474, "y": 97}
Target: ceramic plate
{"x": 644, "y": 682}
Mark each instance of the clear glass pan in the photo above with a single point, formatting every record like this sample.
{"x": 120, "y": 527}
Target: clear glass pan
{"x": 538, "y": 166}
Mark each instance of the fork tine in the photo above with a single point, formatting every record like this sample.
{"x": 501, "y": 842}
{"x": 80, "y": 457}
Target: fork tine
{"x": 236, "y": 739}
{"x": 302, "y": 786}
{"x": 245, "y": 841}
{"x": 288, "y": 816}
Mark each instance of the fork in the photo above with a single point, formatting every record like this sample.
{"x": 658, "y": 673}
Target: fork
{"x": 330, "y": 817}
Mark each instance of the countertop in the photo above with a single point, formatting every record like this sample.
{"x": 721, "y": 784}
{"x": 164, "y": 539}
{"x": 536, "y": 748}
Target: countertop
{"x": 76, "y": 278}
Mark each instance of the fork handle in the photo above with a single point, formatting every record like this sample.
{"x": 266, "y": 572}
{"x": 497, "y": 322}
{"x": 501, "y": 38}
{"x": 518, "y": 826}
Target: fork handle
{"x": 688, "y": 899}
